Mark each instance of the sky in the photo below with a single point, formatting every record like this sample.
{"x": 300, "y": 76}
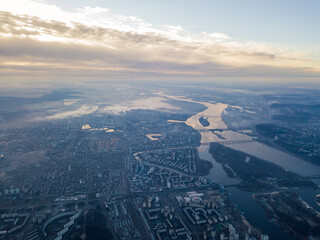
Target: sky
{"x": 145, "y": 39}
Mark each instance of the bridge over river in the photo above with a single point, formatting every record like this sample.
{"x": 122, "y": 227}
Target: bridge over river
{"x": 228, "y": 142}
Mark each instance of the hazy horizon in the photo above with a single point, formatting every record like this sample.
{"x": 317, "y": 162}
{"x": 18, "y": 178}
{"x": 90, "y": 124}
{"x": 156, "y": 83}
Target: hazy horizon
{"x": 71, "y": 40}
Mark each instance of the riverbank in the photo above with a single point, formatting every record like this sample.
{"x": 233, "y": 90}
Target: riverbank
{"x": 291, "y": 213}
{"x": 255, "y": 173}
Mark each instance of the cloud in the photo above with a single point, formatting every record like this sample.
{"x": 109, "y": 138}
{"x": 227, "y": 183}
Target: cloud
{"x": 152, "y": 103}
{"x": 83, "y": 110}
{"x": 38, "y": 39}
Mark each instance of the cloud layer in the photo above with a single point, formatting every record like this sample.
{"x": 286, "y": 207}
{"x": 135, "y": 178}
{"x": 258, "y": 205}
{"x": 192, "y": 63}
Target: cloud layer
{"x": 94, "y": 42}
{"x": 83, "y": 110}
{"x": 152, "y": 103}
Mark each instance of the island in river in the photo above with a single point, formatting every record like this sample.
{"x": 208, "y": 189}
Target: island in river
{"x": 290, "y": 212}
{"x": 256, "y": 174}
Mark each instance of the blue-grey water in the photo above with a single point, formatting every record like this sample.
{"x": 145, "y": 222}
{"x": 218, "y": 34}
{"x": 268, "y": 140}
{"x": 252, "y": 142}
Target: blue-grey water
{"x": 251, "y": 209}
{"x": 244, "y": 201}
{"x": 255, "y": 214}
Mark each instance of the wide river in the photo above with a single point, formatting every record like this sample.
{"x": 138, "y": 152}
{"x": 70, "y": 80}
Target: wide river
{"x": 251, "y": 209}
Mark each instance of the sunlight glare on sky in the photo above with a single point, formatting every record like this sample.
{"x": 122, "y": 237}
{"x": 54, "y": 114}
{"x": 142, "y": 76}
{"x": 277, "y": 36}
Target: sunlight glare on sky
{"x": 138, "y": 39}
